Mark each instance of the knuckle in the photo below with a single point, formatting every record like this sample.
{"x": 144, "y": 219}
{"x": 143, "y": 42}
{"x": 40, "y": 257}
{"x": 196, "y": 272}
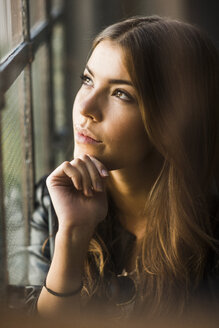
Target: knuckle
{"x": 83, "y": 157}
{"x": 77, "y": 161}
{"x": 65, "y": 164}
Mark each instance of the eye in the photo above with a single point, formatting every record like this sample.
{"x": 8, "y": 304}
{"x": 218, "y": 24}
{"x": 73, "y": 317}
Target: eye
{"x": 123, "y": 95}
{"x": 86, "y": 80}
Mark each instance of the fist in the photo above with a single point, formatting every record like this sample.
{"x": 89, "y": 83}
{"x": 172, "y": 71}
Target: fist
{"x": 78, "y": 192}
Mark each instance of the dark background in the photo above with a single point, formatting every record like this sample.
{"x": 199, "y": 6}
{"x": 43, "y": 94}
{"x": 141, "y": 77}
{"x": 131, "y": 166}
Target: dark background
{"x": 87, "y": 17}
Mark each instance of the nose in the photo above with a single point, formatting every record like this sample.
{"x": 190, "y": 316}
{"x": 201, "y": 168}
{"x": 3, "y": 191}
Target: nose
{"x": 91, "y": 106}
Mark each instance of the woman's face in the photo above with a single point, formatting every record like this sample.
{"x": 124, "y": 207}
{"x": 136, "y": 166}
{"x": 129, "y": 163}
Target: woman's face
{"x": 106, "y": 118}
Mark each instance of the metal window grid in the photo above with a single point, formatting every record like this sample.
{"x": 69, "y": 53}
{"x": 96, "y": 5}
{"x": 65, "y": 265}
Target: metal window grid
{"x": 20, "y": 59}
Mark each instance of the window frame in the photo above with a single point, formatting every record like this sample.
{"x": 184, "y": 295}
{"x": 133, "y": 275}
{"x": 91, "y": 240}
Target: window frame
{"x": 19, "y": 60}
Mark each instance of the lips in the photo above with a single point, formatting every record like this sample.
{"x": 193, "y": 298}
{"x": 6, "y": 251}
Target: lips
{"x": 83, "y": 135}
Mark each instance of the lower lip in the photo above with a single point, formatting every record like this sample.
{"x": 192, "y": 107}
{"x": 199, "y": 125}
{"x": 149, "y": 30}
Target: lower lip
{"x": 80, "y": 138}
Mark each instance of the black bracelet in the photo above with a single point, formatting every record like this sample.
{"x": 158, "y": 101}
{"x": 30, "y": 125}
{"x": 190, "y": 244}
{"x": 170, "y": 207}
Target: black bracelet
{"x": 63, "y": 294}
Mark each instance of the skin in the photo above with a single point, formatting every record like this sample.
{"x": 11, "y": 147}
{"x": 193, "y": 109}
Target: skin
{"x": 121, "y": 158}
{"x": 110, "y": 110}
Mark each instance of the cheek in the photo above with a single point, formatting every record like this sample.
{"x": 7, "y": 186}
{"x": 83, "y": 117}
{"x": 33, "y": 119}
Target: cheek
{"x": 74, "y": 108}
{"x": 76, "y": 103}
{"x": 129, "y": 137}
{"x": 73, "y": 114}
{"x": 131, "y": 129}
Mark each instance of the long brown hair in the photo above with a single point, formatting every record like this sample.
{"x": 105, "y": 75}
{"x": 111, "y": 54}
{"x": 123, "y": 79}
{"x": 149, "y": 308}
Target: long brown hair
{"x": 175, "y": 70}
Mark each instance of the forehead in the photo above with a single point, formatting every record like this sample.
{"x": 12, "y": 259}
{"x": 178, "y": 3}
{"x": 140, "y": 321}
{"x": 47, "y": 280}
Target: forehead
{"x": 107, "y": 60}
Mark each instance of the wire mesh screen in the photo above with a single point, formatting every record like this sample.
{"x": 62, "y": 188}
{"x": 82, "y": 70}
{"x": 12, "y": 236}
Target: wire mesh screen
{"x": 41, "y": 115}
{"x": 10, "y": 26}
{"x": 12, "y": 167}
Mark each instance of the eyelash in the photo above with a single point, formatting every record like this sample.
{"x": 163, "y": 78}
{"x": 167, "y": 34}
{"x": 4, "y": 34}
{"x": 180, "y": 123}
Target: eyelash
{"x": 86, "y": 79}
{"x": 127, "y": 95}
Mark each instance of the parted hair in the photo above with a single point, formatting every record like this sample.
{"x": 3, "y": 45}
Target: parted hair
{"x": 175, "y": 69}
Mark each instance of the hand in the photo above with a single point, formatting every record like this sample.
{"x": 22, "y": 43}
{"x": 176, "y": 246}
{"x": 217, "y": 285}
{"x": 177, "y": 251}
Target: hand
{"x": 77, "y": 190}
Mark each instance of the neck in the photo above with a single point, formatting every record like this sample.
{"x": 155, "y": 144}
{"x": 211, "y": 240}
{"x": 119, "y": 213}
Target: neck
{"x": 130, "y": 187}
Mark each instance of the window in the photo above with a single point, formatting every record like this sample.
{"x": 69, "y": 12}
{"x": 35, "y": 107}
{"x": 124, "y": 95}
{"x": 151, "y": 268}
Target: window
{"x": 10, "y": 26}
{"x": 32, "y": 122}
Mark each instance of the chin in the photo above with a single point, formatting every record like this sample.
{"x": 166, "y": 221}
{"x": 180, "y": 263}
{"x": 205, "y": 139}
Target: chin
{"x": 109, "y": 162}
{"x": 78, "y": 151}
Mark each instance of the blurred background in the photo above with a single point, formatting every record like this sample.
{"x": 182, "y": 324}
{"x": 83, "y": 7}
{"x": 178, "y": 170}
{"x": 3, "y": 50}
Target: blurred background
{"x": 43, "y": 49}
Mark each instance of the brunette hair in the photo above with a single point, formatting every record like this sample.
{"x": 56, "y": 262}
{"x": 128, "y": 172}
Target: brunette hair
{"x": 175, "y": 70}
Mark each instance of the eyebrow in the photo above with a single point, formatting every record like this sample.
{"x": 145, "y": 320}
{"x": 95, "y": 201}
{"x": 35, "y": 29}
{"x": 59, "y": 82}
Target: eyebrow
{"x": 112, "y": 81}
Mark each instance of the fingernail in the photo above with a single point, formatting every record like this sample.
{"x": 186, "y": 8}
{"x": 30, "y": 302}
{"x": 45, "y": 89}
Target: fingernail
{"x": 104, "y": 173}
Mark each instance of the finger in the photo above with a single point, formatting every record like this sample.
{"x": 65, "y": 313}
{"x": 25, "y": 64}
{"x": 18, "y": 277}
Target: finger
{"x": 100, "y": 167}
{"x": 85, "y": 176}
{"x": 94, "y": 173}
{"x": 63, "y": 174}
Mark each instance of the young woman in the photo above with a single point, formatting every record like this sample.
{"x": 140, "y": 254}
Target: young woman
{"x": 135, "y": 219}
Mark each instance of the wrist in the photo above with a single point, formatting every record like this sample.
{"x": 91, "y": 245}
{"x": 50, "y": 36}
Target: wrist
{"x": 76, "y": 241}
{"x": 75, "y": 233}
{"x": 64, "y": 294}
